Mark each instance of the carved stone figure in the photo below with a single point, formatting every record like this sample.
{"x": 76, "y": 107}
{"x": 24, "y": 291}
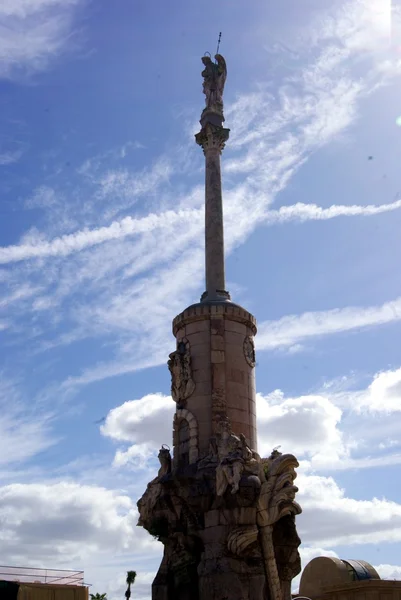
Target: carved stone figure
{"x": 165, "y": 461}
{"x": 179, "y": 512}
{"x": 179, "y": 364}
{"x": 249, "y": 351}
{"x": 211, "y": 458}
{"x": 234, "y": 457}
{"x": 231, "y": 460}
{"x": 214, "y": 77}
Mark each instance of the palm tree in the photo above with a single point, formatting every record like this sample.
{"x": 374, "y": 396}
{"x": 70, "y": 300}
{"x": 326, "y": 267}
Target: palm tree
{"x": 98, "y": 596}
{"x": 131, "y": 576}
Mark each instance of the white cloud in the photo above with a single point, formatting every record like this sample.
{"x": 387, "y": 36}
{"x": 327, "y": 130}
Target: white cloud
{"x": 331, "y": 429}
{"x": 43, "y": 197}
{"x": 22, "y": 292}
{"x": 75, "y": 242}
{"x": 389, "y": 571}
{"x": 147, "y": 423}
{"x": 325, "y": 430}
{"x": 25, "y": 8}
{"x": 382, "y": 396}
{"x": 293, "y": 329}
{"x": 45, "y": 523}
{"x": 37, "y": 247}
{"x": 307, "y": 426}
{"x": 389, "y": 444}
{"x": 331, "y": 518}
{"x": 33, "y": 32}
{"x": 361, "y": 25}
{"x": 310, "y": 212}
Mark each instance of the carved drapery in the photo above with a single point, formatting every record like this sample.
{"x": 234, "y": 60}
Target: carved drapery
{"x": 179, "y": 364}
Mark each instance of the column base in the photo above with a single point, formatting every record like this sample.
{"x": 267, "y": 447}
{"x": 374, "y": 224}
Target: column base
{"x": 216, "y": 296}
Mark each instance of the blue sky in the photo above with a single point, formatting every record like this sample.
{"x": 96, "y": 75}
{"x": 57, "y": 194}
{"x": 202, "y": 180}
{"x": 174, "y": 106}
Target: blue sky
{"x": 101, "y": 232}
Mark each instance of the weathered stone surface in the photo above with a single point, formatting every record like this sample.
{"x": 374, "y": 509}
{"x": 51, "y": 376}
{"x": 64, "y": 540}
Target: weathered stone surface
{"x": 225, "y": 516}
{"x": 239, "y": 544}
{"x": 179, "y": 364}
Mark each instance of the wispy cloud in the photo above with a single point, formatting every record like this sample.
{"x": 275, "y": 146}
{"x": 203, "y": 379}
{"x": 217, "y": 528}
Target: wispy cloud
{"x": 114, "y": 269}
{"x": 33, "y": 32}
{"x": 8, "y": 157}
{"x": 312, "y": 212}
{"x": 75, "y": 242}
{"x": 24, "y": 431}
{"x": 293, "y": 329}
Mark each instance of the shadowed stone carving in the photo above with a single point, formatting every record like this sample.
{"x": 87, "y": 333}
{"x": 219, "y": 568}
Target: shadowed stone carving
{"x": 249, "y": 351}
{"x": 276, "y": 500}
{"x": 234, "y": 458}
{"x": 214, "y": 77}
{"x": 179, "y": 364}
{"x": 165, "y": 461}
{"x": 186, "y": 418}
{"x": 224, "y": 545}
{"x": 241, "y": 539}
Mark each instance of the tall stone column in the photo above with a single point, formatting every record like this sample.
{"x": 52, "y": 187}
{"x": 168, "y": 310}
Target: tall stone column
{"x": 224, "y": 514}
{"x": 212, "y": 139}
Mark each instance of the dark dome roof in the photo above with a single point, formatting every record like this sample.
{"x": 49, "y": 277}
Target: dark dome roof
{"x": 329, "y": 571}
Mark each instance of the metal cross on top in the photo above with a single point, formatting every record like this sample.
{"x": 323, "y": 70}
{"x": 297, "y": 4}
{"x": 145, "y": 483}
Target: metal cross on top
{"x": 218, "y": 43}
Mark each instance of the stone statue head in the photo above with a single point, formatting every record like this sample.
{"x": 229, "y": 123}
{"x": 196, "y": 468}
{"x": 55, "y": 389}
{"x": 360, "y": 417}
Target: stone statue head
{"x": 224, "y": 429}
{"x": 164, "y": 455}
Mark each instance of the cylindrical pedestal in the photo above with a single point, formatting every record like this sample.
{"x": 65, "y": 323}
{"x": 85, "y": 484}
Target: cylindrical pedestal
{"x": 220, "y": 341}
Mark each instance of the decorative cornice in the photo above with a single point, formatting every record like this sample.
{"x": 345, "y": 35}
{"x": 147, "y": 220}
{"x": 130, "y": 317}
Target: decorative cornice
{"x": 221, "y": 295}
{"x": 203, "y": 311}
{"x": 212, "y": 137}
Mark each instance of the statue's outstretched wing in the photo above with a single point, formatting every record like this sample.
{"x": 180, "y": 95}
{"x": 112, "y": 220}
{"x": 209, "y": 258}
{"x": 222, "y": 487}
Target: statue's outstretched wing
{"x": 222, "y": 64}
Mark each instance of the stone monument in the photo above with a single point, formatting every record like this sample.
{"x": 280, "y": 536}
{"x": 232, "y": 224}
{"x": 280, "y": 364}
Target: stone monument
{"x": 225, "y": 516}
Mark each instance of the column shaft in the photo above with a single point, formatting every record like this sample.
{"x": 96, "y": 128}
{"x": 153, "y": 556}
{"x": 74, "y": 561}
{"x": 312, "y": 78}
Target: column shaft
{"x": 214, "y": 231}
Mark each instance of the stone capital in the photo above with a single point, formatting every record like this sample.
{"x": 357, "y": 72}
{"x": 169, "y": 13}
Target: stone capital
{"x": 212, "y": 137}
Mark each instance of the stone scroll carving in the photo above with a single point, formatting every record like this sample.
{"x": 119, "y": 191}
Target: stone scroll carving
{"x": 249, "y": 351}
{"x": 179, "y": 364}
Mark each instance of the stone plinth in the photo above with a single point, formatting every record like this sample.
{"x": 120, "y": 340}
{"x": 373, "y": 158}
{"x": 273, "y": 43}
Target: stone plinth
{"x": 224, "y": 543}
{"x": 219, "y": 338}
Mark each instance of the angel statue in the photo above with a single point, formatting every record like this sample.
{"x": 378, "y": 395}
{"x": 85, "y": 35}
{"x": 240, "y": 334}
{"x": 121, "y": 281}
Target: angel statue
{"x": 214, "y": 77}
